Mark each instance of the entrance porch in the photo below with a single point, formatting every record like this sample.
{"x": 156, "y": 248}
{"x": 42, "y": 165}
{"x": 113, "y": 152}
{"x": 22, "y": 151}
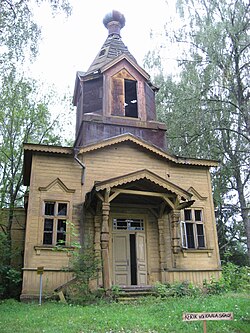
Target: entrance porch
{"x": 136, "y": 233}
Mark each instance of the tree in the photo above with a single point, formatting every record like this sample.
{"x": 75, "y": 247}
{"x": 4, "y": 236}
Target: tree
{"x": 24, "y": 117}
{"x": 19, "y": 34}
{"x": 206, "y": 106}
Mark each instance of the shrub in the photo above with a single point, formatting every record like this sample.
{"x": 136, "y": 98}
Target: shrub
{"x": 236, "y": 278}
{"x": 178, "y": 289}
{"x": 10, "y": 277}
{"x": 213, "y": 286}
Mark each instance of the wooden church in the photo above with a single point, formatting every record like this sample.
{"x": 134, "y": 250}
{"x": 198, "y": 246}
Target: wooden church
{"x": 149, "y": 214}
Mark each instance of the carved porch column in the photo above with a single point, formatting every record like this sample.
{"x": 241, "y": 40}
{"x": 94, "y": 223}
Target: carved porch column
{"x": 162, "y": 245}
{"x": 176, "y": 237}
{"x": 97, "y": 242}
{"x": 105, "y": 245}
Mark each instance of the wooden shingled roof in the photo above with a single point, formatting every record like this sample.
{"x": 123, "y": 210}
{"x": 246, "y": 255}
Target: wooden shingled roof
{"x": 113, "y": 45}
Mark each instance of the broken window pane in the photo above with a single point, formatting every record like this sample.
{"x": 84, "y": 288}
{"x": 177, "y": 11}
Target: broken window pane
{"x": 61, "y": 232}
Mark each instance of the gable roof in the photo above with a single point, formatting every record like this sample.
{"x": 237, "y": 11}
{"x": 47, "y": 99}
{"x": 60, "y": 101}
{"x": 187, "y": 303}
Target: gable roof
{"x": 129, "y": 60}
{"x": 131, "y": 138}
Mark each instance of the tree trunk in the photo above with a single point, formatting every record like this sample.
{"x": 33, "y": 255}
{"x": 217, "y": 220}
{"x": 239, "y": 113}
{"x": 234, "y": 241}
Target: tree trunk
{"x": 244, "y": 209}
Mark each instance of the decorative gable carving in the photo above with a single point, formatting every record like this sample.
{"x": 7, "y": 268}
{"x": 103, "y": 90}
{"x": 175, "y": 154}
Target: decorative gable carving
{"x": 57, "y": 186}
{"x": 196, "y": 193}
{"x": 124, "y": 74}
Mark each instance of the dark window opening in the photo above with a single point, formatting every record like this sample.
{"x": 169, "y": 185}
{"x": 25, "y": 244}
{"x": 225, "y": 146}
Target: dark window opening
{"x": 200, "y": 235}
{"x": 190, "y": 235}
{"x": 131, "y": 105}
{"x": 54, "y": 231}
{"x": 188, "y": 215}
{"x": 192, "y": 229}
{"x": 50, "y": 208}
{"x": 102, "y": 52}
{"x": 48, "y": 231}
{"x": 133, "y": 266}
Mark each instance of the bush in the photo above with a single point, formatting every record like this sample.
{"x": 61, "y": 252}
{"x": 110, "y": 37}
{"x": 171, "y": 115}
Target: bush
{"x": 214, "y": 287}
{"x": 178, "y": 289}
{"x": 236, "y": 278}
{"x": 10, "y": 278}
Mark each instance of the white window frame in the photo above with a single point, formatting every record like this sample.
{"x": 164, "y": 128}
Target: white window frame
{"x": 183, "y": 228}
{"x": 55, "y": 219}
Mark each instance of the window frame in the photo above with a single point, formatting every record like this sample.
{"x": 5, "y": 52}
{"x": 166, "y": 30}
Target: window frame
{"x": 197, "y": 238}
{"x": 56, "y": 218}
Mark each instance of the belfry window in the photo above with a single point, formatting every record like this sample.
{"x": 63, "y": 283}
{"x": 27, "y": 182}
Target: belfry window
{"x": 131, "y": 109}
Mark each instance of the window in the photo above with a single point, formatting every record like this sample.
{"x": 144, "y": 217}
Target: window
{"x": 55, "y": 217}
{"x": 192, "y": 229}
{"x": 126, "y": 224}
{"x": 130, "y": 99}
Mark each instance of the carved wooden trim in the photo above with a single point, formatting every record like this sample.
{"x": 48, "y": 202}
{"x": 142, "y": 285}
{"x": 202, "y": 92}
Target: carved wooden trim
{"x": 129, "y": 137}
{"x": 58, "y": 182}
{"x": 141, "y": 174}
{"x": 196, "y": 193}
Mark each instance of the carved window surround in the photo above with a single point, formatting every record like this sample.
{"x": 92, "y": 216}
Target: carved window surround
{"x": 65, "y": 249}
{"x": 186, "y": 252}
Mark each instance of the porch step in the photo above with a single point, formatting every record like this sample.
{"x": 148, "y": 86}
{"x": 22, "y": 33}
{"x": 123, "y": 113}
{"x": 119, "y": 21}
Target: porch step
{"x": 133, "y": 293}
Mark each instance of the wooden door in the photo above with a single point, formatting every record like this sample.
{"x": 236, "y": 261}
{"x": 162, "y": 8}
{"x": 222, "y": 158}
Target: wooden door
{"x": 141, "y": 259}
{"x": 121, "y": 260}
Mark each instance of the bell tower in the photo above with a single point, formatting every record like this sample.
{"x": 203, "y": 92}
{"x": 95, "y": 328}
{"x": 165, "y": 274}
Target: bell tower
{"x": 115, "y": 95}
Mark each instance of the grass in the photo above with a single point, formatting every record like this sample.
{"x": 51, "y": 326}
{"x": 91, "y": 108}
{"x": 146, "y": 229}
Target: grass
{"x": 149, "y": 315}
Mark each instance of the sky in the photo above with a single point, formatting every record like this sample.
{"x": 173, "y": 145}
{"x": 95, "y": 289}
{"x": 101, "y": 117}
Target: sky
{"x": 71, "y": 44}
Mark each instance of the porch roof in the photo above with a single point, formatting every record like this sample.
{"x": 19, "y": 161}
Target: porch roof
{"x": 139, "y": 184}
{"x": 143, "y": 174}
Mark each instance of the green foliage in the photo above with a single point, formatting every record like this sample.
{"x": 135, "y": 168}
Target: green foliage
{"x": 10, "y": 278}
{"x": 178, "y": 289}
{"x": 236, "y": 278}
{"x": 19, "y": 33}
{"x": 85, "y": 266}
{"x": 214, "y": 287}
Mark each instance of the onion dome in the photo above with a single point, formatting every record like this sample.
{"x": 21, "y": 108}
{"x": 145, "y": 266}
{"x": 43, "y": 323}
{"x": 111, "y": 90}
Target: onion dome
{"x": 114, "y": 22}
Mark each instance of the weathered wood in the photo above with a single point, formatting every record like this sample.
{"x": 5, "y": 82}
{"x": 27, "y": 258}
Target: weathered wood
{"x": 105, "y": 244}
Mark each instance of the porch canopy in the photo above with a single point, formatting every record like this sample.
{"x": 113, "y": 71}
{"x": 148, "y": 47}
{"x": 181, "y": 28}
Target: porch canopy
{"x": 142, "y": 187}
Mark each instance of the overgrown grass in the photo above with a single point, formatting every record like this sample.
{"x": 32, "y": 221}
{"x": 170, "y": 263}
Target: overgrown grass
{"x": 149, "y": 315}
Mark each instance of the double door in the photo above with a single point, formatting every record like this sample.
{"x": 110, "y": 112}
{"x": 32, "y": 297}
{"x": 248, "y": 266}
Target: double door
{"x": 129, "y": 258}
